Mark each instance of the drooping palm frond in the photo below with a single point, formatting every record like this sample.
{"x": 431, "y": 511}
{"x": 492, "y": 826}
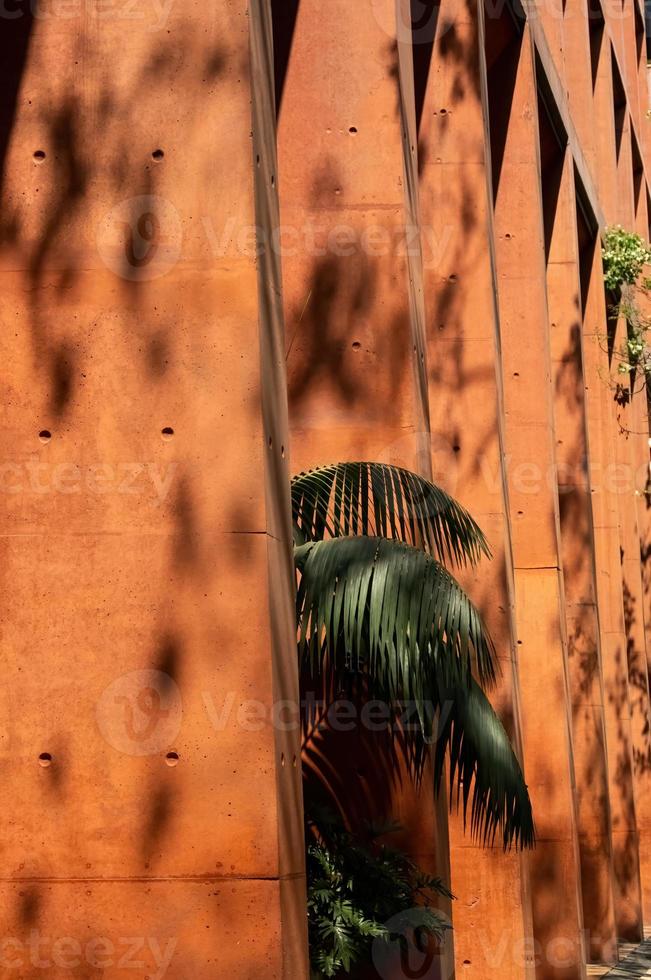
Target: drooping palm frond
{"x": 382, "y": 607}
{"x": 483, "y": 762}
{"x": 375, "y": 499}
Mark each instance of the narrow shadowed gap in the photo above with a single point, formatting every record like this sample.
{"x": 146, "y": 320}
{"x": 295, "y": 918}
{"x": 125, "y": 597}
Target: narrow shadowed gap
{"x": 611, "y": 323}
{"x": 503, "y": 45}
{"x": 553, "y": 141}
{"x": 424, "y": 19}
{"x": 588, "y": 239}
{"x": 283, "y": 18}
{"x": 639, "y": 33}
{"x": 15, "y": 37}
{"x": 597, "y": 26}
{"x": 648, "y": 211}
{"x": 638, "y": 173}
{"x": 619, "y": 105}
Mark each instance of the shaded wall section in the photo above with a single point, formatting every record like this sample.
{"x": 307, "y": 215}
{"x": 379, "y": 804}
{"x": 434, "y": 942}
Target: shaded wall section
{"x": 147, "y": 579}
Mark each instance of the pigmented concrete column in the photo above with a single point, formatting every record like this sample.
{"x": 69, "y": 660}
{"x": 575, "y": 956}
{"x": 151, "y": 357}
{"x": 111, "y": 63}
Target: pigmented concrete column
{"x": 604, "y": 134}
{"x": 353, "y": 300}
{"x": 631, "y": 57}
{"x": 540, "y": 607}
{"x": 602, "y": 435}
{"x": 627, "y": 459}
{"x": 492, "y": 914}
{"x": 630, "y": 445}
{"x": 148, "y": 627}
{"x": 578, "y": 75}
{"x": 577, "y": 550}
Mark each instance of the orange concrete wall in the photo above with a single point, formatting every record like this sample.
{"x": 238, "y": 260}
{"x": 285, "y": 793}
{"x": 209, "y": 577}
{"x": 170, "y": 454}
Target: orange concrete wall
{"x": 147, "y": 584}
{"x": 237, "y": 241}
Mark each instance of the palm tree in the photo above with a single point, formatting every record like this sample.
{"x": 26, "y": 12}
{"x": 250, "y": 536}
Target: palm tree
{"x": 375, "y": 603}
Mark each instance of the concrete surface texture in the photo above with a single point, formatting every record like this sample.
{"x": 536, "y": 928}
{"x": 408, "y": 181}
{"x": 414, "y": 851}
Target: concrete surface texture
{"x": 238, "y": 240}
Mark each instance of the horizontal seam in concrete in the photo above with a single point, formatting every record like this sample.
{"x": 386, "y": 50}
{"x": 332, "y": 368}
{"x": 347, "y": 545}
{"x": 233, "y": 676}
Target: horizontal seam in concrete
{"x": 119, "y": 879}
{"x": 536, "y": 568}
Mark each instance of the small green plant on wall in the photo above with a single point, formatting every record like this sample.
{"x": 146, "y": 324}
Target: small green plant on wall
{"x": 625, "y": 255}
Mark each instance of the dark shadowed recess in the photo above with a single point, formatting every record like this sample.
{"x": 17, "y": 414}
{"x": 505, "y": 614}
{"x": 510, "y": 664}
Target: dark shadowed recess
{"x": 503, "y": 43}
{"x": 588, "y": 237}
{"x": 638, "y": 172}
{"x": 597, "y": 27}
{"x": 553, "y": 143}
{"x": 619, "y": 107}
{"x": 424, "y": 19}
{"x": 15, "y": 35}
{"x": 283, "y": 18}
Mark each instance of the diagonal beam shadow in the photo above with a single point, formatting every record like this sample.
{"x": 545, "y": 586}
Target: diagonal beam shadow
{"x": 15, "y": 38}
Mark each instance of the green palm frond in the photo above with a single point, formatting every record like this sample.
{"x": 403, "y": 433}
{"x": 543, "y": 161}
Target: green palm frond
{"x": 382, "y": 607}
{"x": 482, "y": 761}
{"x": 346, "y": 499}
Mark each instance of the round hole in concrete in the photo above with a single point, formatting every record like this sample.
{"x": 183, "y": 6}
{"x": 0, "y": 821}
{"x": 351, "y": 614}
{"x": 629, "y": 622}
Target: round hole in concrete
{"x": 45, "y": 759}
{"x": 172, "y": 758}
{"x": 45, "y": 435}
{"x": 39, "y": 156}
{"x": 158, "y": 155}
{"x": 167, "y": 432}
{"x": 356, "y": 345}
{"x": 353, "y": 129}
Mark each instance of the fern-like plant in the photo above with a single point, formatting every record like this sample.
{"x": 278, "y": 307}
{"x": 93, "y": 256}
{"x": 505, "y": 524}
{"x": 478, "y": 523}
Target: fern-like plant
{"x": 355, "y": 890}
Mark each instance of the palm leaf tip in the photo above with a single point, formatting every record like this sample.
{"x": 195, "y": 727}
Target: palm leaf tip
{"x": 375, "y": 499}
{"x": 388, "y": 610}
{"x": 483, "y": 763}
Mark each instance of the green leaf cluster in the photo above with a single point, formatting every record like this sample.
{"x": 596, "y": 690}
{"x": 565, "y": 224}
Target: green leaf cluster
{"x": 625, "y": 254}
{"x": 355, "y": 889}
